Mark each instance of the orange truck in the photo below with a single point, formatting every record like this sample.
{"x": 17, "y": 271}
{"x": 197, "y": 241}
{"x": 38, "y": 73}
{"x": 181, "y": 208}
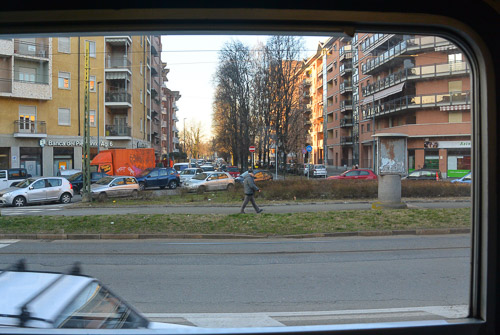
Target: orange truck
{"x": 123, "y": 162}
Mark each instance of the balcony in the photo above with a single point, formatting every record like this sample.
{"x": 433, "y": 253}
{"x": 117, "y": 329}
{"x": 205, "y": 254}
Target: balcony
{"x": 118, "y": 98}
{"x": 118, "y": 132}
{"x": 345, "y": 69}
{"x": 118, "y": 62}
{"x": 415, "y": 73}
{"x": 174, "y": 117}
{"x": 408, "y": 47}
{"x": 345, "y": 105}
{"x": 345, "y": 87}
{"x": 346, "y": 122}
{"x": 345, "y": 53}
{"x": 37, "y": 49}
{"x": 30, "y": 129}
{"x": 376, "y": 41}
{"x": 346, "y": 140}
{"x": 409, "y": 102}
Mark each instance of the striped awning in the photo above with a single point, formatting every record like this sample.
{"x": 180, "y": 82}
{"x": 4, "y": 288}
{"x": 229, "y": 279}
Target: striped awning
{"x": 384, "y": 93}
{"x": 116, "y": 75}
{"x": 454, "y": 108}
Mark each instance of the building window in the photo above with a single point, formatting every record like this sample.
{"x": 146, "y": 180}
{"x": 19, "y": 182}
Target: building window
{"x": 455, "y": 116}
{"x": 140, "y": 65}
{"x": 92, "y": 84}
{"x": 336, "y": 133}
{"x": 362, "y": 128}
{"x": 336, "y": 116}
{"x": 92, "y": 51}
{"x": 142, "y": 126}
{"x": 64, "y": 117}
{"x": 455, "y": 58}
{"x": 64, "y": 80}
{"x": 455, "y": 86}
{"x": 92, "y": 118}
{"x": 27, "y": 74}
{"x": 64, "y": 45}
{"x": 27, "y": 118}
{"x": 141, "y": 97}
{"x": 367, "y": 127}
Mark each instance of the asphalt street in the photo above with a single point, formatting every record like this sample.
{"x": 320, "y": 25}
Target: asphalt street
{"x": 271, "y": 282}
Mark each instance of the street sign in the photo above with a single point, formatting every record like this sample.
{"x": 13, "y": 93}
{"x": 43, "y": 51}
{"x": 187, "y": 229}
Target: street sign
{"x": 304, "y": 151}
{"x": 309, "y": 148}
{"x": 252, "y": 148}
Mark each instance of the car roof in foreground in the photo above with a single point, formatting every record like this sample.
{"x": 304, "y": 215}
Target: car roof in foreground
{"x": 19, "y": 288}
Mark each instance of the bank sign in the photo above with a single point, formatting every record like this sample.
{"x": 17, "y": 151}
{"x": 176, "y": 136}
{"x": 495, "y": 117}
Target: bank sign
{"x": 72, "y": 143}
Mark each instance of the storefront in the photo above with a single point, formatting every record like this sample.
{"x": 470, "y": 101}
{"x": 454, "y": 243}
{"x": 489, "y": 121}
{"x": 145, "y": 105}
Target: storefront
{"x": 4, "y": 158}
{"x": 31, "y": 160}
{"x": 63, "y": 158}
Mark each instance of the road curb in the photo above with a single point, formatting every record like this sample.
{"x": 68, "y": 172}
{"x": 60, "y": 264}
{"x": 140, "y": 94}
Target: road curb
{"x": 108, "y": 236}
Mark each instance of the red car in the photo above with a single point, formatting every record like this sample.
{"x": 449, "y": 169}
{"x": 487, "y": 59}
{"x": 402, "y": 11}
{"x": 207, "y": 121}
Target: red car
{"x": 233, "y": 171}
{"x": 356, "y": 174}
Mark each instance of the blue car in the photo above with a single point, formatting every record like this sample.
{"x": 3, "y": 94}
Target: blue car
{"x": 465, "y": 179}
{"x": 158, "y": 177}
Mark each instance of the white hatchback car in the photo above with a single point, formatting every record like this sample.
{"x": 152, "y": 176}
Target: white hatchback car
{"x": 37, "y": 190}
{"x": 189, "y": 173}
{"x": 210, "y": 181}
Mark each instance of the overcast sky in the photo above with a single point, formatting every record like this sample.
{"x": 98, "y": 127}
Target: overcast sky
{"x": 192, "y": 61}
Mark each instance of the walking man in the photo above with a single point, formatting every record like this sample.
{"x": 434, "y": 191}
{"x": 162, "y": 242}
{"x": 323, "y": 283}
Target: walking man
{"x": 250, "y": 188}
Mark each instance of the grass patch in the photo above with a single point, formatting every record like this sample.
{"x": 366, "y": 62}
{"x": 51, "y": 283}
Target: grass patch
{"x": 264, "y": 224}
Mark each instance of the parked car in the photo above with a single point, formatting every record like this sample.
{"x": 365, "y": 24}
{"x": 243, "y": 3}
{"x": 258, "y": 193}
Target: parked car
{"x": 210, "y": 181}
{"x": 115, "y": 186}
{"x": 77, "y": 180}
{"x": 232, "y": 170}
{"x": 12, "y": 176}
{"x": 424, "y": 174}
{"x": 67, "y": 173}
{"x": 57, "y": 300}
{"x": 207, "y": 168}
{"x": 158, "y": 177}
{"x": 260, "y": 175}
{"x": 188, "y": 173}
{"x": 356, "y": 174}
{"x": 37, "y": 190}
{"x": 316, "y": 170}
{"x": 467, "y": 179}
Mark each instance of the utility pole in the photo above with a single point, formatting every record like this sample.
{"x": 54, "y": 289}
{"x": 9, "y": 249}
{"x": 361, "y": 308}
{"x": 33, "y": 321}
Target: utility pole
{"x": 98, "y": 143}
{"x": 86, "y": 196}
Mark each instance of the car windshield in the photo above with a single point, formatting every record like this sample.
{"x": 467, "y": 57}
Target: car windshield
{"x": 25, "y": 183}
{"x": 200, "y": 176}
{"x": 232, "y": 169}
{"x": 187, "y": 171}
{"x": 145, "y": 172}
{"x": 104, "y": 181}
{"x": 75, "y": 176}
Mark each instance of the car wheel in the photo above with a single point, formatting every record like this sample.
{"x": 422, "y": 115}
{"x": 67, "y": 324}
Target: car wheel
{"x": 135, "y": 194}
{"x": 65, "y": 198}
{"x": 142, "y": 186}
{"x": 201, "y": 189}
{"x": 102, "y": 196}
{"x": 19, "y": 201}
{"x": 172, "y": 185}
{"x": 229, "y": 187}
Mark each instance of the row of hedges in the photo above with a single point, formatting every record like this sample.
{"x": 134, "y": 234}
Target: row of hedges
{"x": 354, "y": 189}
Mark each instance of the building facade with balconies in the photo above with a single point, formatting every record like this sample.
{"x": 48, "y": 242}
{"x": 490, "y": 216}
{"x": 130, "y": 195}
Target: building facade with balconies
{"x": 418, "y": 86}
{"x": 42, "y": 95}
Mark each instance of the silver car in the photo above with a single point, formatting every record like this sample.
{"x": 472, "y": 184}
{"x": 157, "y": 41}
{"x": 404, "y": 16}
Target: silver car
{"x": 189, "y": 173}
{"x": 37, "y": 190}
{"x": 115, "y": 186}
{"x": 210, "y": 181}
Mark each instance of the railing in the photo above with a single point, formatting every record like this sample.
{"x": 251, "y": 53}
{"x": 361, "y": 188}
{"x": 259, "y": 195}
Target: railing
{"x": 26, "y": 48}
{"x": 118, "y": 96}
{"x": 345, "y": 86}
{"x": 374, "y": 39}
{"x": 346, "y": 122}
{"x": 345, "y": 104}
{"x": 22, "y": 77}
{"x": 30, "y": 127}
{"x": 346, "y": 140}
{"x": 345, "y": 68}
{"x": 412, "y": 44}
{"x": 118, "y": 62}
{"x": 417, "y": 101}
{"x": 345, "y": 51}
{"x": 118, "y": 130}
{"x": 418, "y": 72}
{"x": 163, "y": 124}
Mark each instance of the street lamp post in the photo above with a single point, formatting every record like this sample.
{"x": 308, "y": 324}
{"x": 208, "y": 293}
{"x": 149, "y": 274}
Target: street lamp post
{"x": 98, "y": 143}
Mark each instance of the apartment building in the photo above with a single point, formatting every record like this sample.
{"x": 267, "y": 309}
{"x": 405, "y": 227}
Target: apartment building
{"x": 42, "y": 94}
{"x": 169, "y": 131}
{"x": 418, "y": 86}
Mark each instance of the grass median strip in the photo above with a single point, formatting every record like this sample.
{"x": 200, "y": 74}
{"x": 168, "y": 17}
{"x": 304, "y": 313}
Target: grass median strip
{"x": 252, "y": 224}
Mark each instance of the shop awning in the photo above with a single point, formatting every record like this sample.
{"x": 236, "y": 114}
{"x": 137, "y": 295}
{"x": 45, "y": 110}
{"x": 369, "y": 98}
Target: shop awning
{"x": 384, "y": 93}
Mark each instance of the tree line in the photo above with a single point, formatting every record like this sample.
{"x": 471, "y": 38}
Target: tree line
{"x": 258, "y": 100}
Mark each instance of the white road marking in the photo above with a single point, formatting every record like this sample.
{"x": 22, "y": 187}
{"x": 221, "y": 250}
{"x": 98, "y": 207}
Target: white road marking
{"x": 236, "y": 320}
{"x": 6, "y": 243}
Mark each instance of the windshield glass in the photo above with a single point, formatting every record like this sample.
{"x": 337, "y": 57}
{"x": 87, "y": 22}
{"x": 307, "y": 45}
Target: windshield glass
{"x": 75, "y": 176}
{"x": 187, "y": 171}
{"x": 25, "y": 183}
{"x": 232, "y": 169}
{"x": 145, "y": 173}
{"x": 200, "y": 176}
{"x": 104, "y": 181}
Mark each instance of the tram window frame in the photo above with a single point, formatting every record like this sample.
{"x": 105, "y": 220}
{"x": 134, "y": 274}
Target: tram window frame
{"x": 483, "y": 300}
